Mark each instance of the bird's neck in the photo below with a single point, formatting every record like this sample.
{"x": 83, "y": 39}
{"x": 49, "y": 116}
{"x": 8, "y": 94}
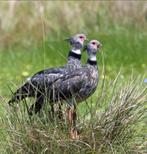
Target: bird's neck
{"x": 75, "y": 53}
{"x": 92, "y": 60}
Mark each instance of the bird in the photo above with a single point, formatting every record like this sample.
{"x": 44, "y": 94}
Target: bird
{"x": 37, "y": 84}
{"x": 75, "y": 87}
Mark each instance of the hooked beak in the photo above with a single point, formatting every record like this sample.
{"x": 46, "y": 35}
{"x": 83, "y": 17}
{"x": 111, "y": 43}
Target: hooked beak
{"x": 100, "y": 45}
{"x": 67, "y": 39}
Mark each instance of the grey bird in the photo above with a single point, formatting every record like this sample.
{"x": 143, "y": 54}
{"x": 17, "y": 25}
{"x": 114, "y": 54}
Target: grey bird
{"x": 81, "y": 83}
{"x": 36, "y": 86}
{"x": 77, "y": 86}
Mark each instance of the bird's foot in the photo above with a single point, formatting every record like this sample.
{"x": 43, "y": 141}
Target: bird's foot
{"x": 74, "y": 134}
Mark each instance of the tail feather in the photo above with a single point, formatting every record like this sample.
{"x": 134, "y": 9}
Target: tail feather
{"x": 24, "y": 91}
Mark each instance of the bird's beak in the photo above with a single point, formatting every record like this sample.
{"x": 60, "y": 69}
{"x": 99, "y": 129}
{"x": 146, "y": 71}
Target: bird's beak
{"x": 100, "y": 45}
{"x": 67, "y": 39}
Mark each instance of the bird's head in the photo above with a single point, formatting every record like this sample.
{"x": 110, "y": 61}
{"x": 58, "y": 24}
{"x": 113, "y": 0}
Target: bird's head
{"x": 93, "y": 47}
{"x": 77, "y": 41}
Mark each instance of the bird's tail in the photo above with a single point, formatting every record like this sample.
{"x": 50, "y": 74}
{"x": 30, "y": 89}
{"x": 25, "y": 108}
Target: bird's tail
{"x": 21, "y": 93}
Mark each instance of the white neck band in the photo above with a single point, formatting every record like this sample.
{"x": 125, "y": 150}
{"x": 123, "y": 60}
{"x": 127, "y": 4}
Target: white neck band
{"x": 77, "y": 51}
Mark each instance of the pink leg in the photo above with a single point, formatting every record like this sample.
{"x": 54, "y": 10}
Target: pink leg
{"x": 71, "y": 116}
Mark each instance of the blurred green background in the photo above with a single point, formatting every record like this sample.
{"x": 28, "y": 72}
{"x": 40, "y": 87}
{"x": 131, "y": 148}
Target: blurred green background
{"x": 32, "y": 36}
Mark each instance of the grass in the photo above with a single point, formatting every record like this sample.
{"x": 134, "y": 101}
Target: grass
{"x": 120, "y": 50}
{"x": 111, "y": 125}
{"x": 113, "y": 120}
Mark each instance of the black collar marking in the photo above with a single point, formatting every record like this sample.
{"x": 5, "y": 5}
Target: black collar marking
{"x": 91, "y": 62}
{"x": 72, "y": 54}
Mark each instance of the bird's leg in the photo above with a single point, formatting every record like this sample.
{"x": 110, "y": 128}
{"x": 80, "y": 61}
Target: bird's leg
{"x": 68, "y": 116}
{"x": 74, "y": 129}
{"x": 71, "y": 113}
{"x": 52, "y": 111}
{"x": 60, "y": 113}
{"x": 37, "y": 106}
{"x": 74, "y": 116}
{"x": 70, "y": 121}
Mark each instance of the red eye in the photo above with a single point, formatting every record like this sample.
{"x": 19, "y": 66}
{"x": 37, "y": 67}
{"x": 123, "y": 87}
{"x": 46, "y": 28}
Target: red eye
{"x": 93, "y": 43}
{"x": 81, "y": 37}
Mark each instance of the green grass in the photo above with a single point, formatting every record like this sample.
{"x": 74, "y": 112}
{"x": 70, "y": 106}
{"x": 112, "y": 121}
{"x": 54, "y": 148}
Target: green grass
{"x": 124, "y": 50}
{"x": 107, "y": 125}
{"x": 115, "y": 123}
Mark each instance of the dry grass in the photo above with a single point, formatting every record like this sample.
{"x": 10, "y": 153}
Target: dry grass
{"x": 116, "y": 122}
{"x": 112, "y": 125}
{"x": 115, "y": 127}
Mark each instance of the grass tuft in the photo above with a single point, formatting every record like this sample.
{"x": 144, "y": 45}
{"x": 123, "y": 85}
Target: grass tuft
{"x": 110, "y": 125}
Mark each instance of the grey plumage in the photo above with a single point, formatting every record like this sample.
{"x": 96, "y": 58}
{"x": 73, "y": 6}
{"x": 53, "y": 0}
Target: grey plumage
{"x": 74, "y": 87}
{"x": 38, "y": 83}
{"x": 79, "y": 84}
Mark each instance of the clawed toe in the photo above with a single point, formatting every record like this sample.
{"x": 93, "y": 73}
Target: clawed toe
{"x": 74, "y": 134}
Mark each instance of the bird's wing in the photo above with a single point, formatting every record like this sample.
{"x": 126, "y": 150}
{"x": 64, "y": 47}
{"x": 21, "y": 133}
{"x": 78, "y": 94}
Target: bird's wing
{"x": 51, "y": 70}
{"x": 39, "y": 81}
{"x": 46, "y": 77}
{"x": 71, "y": 83}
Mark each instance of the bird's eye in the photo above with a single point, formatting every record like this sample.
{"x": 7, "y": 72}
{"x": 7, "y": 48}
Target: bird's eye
{"x": 81, "y": 37}
{"x": 93, "y": 43}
